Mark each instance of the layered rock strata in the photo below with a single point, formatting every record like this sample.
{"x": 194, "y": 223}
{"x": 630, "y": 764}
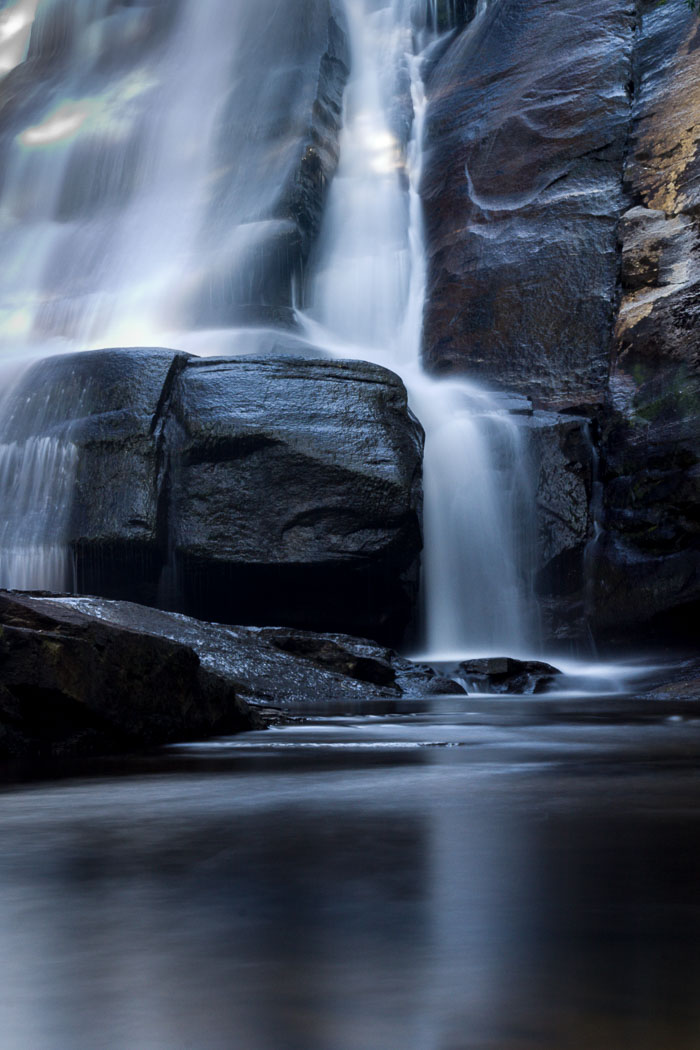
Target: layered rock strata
{"x": 648, "y": 560}
{"x": 561, "y": 191}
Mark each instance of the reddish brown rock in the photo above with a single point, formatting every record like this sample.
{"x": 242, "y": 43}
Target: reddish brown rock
{"x": 647, "y": 564}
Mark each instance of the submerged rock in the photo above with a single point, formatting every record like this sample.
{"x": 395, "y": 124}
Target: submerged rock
{"x": 88, "y": 675}
{"x": 506, "y": 675}
{"x": 252, "y": 490}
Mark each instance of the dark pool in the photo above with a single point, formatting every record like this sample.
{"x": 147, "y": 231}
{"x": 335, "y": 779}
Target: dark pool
{"x": 453, "y": 874}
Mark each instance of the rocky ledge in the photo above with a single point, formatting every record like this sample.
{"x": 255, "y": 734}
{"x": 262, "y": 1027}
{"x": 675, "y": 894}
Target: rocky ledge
{"x": 259, "y": 490}
{"x": 90, "y": 676}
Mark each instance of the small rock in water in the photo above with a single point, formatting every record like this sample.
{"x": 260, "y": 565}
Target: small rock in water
{"x": 503, "y": 674}
{"x": 443, "y": 686}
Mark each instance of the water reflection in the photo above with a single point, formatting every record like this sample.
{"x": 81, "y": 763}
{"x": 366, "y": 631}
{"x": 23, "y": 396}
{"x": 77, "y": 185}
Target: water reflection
{"x": 507, "y": 893}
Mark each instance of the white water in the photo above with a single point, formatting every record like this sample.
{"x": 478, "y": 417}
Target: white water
{"x": 78, "y": 275}
{"x": 366, "y": 301}
{"x": 36, "y": 487}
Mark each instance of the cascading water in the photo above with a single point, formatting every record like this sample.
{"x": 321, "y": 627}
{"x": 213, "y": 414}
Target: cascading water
{"x": 36, "y": 485}
{"x": 366, "y": 300}
{"x": 127, "y": 216}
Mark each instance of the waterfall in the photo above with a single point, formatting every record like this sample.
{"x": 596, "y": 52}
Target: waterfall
{"x": 37, "y": 470}
{"x": 140, "y": 194}
{"x": 366, "y": 300}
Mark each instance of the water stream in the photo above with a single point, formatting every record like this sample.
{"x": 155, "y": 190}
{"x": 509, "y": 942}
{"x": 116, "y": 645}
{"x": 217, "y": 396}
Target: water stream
{"x": 123, "y": 201}
{"x": 366, "y": 300}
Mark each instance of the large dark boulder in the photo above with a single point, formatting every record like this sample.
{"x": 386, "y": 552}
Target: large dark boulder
{"x": 71, "y": 682}
{"x": 89, "y": 675}
{"x": 647, "y": 566}
{"x": 295, "y": 494}
{"x": 526, "y": 132}
{"x": 274, "y": 490}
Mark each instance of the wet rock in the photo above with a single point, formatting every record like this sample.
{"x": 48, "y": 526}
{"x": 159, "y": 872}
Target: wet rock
{"x": 526, "y": 132}
{"x": 248, "y": 490}
{"x": 564, "y": 463}
{"x": 295, "y": 495}
{"x": 109, "y": 407}
{"x": 443, "y": 686}
{"x": 74, "y": 683}
{"x": 506, "y": 675}
{"x": 89, "y": 674}
{"x": 647, "y": 566}
{"x": 681, "y": 681}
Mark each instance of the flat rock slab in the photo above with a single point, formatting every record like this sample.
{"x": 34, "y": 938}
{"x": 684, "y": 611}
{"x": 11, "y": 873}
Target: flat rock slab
{"x": 72, "y": 683}
{"x": 88, "y": 675}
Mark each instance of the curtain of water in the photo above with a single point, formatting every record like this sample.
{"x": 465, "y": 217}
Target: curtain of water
{"x": 37, "y": 472}
{"x": 150, "y": 164}
{"x": 366, "y": 300}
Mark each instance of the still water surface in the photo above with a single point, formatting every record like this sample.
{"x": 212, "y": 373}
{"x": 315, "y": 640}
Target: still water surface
{"x": 450, "y": 874}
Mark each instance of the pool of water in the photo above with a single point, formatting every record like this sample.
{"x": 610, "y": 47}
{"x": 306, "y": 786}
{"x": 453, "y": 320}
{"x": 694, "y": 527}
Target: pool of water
{"x": 459, "y": 873}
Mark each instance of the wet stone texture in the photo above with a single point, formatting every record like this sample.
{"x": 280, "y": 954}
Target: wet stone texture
{"x": 648, "y": 565}
{"x": 88, "y": 675}
{"x": 263, "y": 490}
{"x": 561, "y": 194}
{"x": 564, "y": 459}
{"x": 526, "y": 131}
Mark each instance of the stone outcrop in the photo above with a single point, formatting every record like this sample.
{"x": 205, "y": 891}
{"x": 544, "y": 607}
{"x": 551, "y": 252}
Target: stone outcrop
{"x": 526, "y": 131}
{"x": 647, "y": 570}
{"x": 265, "y": 490}
{"x": 73, "y": 683}
{"x": 503, "y": 674}
{"x": 565, "y": 467}
{"x": 88, "y": 675}
{"x": 561, "y": 190}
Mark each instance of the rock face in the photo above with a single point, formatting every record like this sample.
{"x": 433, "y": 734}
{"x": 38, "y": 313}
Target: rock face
{"x": 255, "y": 490}
{"x": 72, "y": 683}
{"x": 526, "y": 131}
{"x": 88, "y": 675}
{"x": 647, "y": 570}
{"x": 565, "y": 466}
{"x": 561, "y": 190}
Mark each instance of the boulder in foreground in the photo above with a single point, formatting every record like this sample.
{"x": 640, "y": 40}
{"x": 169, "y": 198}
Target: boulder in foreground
{"x": 503, "y": 674}
{"x": 259, "y": 490}
{"x": 89, "y": 676}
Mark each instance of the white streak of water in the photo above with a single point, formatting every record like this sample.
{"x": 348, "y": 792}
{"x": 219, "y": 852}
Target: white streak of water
{"x": 367, "y": 300}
